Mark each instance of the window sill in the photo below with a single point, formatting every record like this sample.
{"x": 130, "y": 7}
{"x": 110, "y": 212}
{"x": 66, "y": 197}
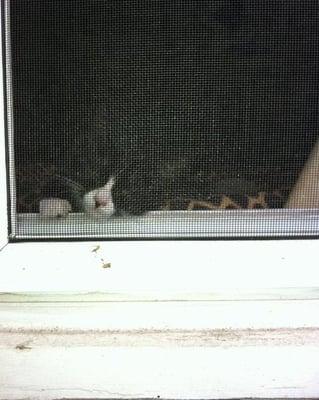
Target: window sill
{"x": 180, "y": 350}
{"x": 170, "y": 319}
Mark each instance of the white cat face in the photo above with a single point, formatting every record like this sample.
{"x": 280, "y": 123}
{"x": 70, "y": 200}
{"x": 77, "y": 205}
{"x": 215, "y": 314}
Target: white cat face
{"x": 99, "y": 202}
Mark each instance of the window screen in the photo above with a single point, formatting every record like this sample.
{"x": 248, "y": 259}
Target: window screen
{"x": 162, "y": 118}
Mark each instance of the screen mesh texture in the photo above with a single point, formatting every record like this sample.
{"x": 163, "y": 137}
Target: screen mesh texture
{"x": 180, "y": 116}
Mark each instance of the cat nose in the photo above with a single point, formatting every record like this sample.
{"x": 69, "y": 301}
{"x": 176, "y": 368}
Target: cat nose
{"x": 99, "y": 202}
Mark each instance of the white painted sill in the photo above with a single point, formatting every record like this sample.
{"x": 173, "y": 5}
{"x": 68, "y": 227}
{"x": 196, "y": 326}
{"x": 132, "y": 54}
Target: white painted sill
{"x": 89, "y": 346}
{"x": 175, "y": 319}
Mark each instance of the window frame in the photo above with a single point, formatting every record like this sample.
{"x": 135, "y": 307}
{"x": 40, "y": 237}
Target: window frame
{"x": 161, "y": 287}
{"x": 250, "y": 224}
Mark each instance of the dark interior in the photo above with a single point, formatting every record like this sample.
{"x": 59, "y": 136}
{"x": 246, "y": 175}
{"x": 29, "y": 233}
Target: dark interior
{"x": 192, "y": 99}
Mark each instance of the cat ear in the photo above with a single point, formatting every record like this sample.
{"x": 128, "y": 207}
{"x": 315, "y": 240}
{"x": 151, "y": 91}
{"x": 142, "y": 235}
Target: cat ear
{"x": 109, "y": 184}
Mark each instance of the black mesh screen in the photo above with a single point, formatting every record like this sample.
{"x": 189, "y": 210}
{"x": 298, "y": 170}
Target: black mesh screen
{"x": 201, "y": 109}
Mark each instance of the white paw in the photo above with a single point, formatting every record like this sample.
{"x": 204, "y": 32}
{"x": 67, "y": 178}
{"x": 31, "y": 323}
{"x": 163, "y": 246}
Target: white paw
{"x": 99, "y": 202}
{"x": 54, "y": 208}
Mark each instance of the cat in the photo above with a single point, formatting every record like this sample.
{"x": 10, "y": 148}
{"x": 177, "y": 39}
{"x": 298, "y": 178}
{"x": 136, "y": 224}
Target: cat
{"x": 135, "y": 192}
